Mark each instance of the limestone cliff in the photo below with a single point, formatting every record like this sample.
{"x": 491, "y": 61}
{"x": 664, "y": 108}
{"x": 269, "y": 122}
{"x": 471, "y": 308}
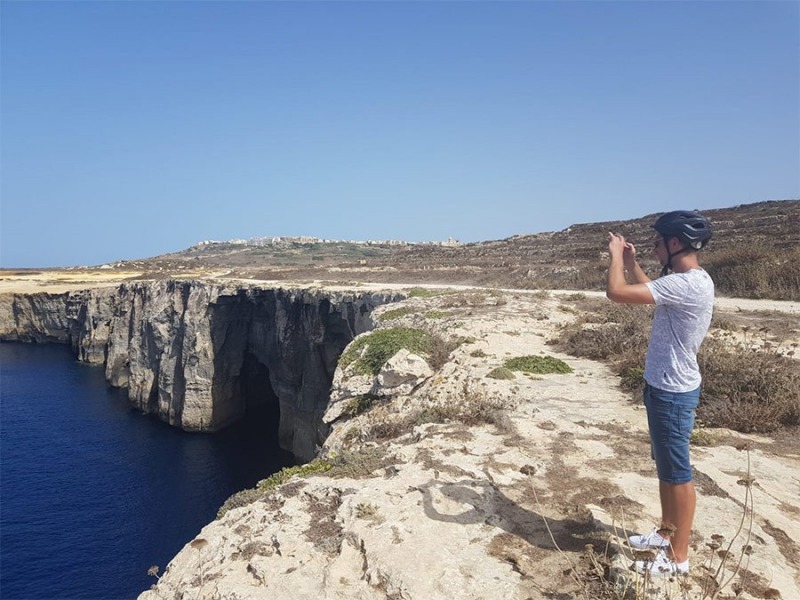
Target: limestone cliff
{"x": 199, "y": 355}
{"x": 448, "y": 483}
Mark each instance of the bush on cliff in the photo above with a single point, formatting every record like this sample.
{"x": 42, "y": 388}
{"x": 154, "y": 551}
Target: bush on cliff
{"x": 370, "y": 352}
{"x": 265, "y": 486}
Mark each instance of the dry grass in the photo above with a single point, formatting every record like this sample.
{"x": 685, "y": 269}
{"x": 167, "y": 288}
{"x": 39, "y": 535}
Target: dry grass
{"x": 601, "y": 571}
{"x": 360, "y": 464}
{"x": 440, "y": 349}
{"x": 745, "y": 388}
{"x": 755, "y": 270}
{"x": 471, "y": 406}
{"x": 748, "y": 390}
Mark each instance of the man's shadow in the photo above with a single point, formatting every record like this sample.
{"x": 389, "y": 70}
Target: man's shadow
{"x": 485, "y": 503}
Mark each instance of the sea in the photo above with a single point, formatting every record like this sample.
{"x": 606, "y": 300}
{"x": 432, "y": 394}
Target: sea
{"x": 93, "y": 492}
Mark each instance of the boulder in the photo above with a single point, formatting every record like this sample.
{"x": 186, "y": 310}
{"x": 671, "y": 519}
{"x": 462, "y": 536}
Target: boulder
{"x": 401, "y": 374}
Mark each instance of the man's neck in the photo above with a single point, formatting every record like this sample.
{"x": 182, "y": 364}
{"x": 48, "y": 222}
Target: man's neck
{"x": 685, "y": 262}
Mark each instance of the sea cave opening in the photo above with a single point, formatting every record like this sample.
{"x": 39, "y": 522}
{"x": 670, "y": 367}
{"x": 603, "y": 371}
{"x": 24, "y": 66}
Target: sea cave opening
{"x": 256, "y": 432}
{"x": 262, "y": 408}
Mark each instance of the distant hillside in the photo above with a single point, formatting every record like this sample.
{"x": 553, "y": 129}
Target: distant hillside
{"x": 755, "y": 253}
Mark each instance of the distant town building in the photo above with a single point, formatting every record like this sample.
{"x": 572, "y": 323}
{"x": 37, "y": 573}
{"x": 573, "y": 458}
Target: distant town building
{"x": 287, "y": 241}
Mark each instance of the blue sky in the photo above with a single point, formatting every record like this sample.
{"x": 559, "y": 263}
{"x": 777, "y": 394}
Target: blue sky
{"x": 131, "y": 129}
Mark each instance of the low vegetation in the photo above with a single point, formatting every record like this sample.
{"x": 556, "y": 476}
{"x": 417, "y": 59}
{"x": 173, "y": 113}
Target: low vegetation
{"x": 539, "y": 365}
{"x": 471, "y": 406}
{"x": 396, "y": 313}
{"x": 359, "y": 404}
{"x": 755, "y": 270}
{"x": 370, "y": 352}
{"x": 747, "y": 387}
{"x": 441, "y": 347}
{"x": 419, "y": 292}
{"x": 603, "y": 571}
{"x": 437, "y": 314}
{"x": 350, "y": 464}
{"x": 265, "y": 486}
{"x": 500, "y": 373}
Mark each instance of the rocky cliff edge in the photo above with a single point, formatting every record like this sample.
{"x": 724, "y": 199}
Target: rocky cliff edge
{"x": 449, "y": 484}
{"x": 187, "y": 350}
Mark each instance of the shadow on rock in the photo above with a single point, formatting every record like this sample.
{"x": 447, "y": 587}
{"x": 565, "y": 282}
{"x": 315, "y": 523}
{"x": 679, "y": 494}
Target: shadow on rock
{"x": 473, "y": 501}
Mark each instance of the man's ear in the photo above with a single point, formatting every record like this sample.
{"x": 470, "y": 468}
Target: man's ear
{"x": 674, "y": 244}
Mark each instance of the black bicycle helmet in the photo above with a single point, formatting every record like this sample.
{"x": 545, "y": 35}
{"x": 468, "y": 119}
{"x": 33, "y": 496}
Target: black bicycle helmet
{"x": 688, "y": 226}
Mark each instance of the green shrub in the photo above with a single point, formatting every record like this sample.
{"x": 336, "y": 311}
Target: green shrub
{"x": 419, "y": 292}
{"x": 240, "y": 499}
{"x": 282, "y": 476}
{"x": 500, "y": 373}
{"x": 437, "y": 314}
{"x": 381, "y": 345}
{"x": 396, "y": 313}
{"x": 265, "y": 486}
{"x": 632, "y": 378}
{"x": 538, "y": 364}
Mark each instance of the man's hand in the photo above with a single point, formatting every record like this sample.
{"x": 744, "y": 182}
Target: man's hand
{"x": 617, "y": 245}
{"x": 623, "y": 256}
{"x": 629, "y": 256}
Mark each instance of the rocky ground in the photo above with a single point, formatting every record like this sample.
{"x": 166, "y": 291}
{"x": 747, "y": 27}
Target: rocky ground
{"x": 450, "y": 484}
{"x": 446, "y": 483}
{"x": 754, "y": 253}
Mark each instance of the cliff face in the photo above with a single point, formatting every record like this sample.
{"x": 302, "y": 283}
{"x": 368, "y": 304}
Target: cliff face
{"x": 445, "y": 483}
{"x": 200, "y": 356}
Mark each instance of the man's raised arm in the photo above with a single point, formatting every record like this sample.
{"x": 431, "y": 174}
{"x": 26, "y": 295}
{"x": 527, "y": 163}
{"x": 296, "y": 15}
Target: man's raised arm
{"x": 618, "y": 289}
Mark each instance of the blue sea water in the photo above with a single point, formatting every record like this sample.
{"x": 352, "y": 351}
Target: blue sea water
{"x": 92, "y": 492}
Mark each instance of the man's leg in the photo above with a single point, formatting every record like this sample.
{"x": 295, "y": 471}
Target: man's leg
{"x": 678, "y": 501}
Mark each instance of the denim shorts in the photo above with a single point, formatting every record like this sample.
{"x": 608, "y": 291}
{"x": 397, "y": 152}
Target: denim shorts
{"x": 670, "y": 416}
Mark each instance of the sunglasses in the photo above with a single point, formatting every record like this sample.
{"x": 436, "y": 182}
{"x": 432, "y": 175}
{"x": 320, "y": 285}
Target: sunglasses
{"x": 657, "y": 241}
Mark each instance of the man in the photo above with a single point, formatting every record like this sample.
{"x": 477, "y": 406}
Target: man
{"x": 684, "y": 301}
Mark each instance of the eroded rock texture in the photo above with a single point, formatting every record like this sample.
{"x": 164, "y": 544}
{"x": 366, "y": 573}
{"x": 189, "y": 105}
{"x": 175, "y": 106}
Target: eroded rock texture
{"x": 199, "y": 355}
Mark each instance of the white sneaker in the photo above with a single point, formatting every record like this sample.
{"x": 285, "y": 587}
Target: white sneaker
{"x": 650, "y": 540}
{"x": 661, "y": 566}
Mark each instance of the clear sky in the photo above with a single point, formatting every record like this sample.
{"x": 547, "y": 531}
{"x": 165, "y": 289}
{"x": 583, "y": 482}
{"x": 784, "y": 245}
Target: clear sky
{"x": 131, "y": 129}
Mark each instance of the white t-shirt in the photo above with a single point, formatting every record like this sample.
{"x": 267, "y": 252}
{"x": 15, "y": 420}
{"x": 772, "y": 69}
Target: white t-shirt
{"x": 684, "y": 303}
